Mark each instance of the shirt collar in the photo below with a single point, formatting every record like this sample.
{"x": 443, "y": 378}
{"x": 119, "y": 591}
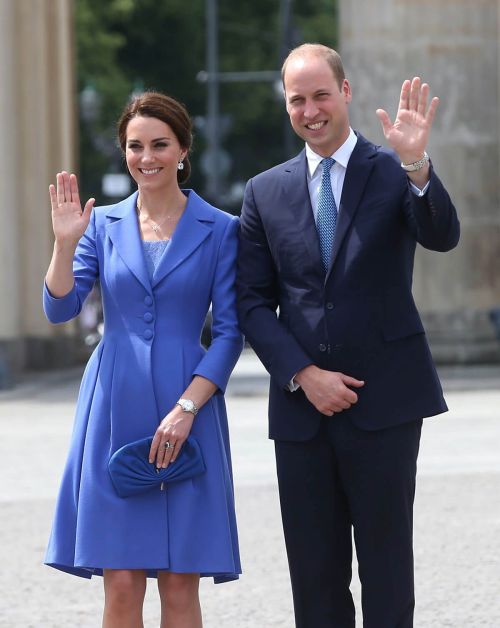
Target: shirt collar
{"x": 341, "y": 155}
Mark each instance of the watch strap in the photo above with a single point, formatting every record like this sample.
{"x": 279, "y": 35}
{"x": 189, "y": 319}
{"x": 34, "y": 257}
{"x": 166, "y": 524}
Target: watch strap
{"x": 188, "y": 405}
{"x": 416, "y": 165}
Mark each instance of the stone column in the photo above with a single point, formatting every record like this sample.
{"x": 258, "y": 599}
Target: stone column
{"x": 10, "y": 178}
{"x": 38, "y": 109}
{"x": 452, "y": 45}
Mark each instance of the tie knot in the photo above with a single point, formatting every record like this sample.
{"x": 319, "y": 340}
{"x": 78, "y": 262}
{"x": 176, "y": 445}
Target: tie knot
{"x": 327, "y": 163}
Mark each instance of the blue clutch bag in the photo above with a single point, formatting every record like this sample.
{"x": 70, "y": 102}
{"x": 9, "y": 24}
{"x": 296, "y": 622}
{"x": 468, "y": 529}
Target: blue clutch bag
{"x": 132, "y": 473}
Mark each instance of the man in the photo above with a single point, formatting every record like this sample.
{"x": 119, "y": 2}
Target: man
{"x": 328, "y": 239}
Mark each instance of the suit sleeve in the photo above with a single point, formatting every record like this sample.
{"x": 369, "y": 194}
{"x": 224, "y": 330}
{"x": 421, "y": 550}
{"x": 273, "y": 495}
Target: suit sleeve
{"x": 258, "y": 299}
{"x": 433, "y": 218}
{"x": 85, "y": 271}
{"x": 227, "y": 340}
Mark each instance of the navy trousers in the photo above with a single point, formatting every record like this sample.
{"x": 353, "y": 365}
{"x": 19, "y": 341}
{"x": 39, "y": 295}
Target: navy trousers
{"x": 344, "y": 480}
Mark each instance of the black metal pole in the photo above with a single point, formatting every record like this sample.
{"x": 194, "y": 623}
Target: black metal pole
{"x": 212, "y": 53}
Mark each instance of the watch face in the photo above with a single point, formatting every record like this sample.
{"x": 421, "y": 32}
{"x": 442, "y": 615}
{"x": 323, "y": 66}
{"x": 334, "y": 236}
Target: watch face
{"x": 187, "y": 405}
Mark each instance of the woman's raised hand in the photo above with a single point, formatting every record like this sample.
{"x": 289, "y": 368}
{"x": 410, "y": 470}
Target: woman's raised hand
{"x": 69, "y": 221}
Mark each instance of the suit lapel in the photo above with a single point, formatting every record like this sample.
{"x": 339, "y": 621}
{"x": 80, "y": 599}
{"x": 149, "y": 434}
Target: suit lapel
{"x": 192, "y": 229}
{"x": 358, "y": 171}
{"x": 299, "y": 201}
{"x": 124, "y": 233}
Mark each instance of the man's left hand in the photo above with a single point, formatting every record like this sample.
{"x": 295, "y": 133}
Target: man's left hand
{"x": 409, "y": 134}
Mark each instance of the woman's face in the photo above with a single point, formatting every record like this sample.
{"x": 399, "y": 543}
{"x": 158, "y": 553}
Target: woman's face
{"x": 152, "y": 153}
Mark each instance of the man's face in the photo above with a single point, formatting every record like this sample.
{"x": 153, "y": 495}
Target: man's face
{"x": 317, "y": 106}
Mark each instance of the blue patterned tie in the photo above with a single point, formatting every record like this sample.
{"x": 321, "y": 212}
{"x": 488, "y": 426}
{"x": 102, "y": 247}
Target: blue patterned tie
{"x": 326, "y": 218}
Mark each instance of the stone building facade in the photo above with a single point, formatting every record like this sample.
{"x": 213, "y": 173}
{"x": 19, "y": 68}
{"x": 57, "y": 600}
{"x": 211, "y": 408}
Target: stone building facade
{"x": 38, "y": 138}
{"x": 452, "y": 44}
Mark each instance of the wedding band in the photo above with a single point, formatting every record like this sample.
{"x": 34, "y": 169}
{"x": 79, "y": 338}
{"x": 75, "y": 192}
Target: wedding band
{"x": 168, "y": 445}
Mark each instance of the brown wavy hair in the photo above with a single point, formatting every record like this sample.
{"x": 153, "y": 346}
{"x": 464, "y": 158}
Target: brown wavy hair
{"x": 167, "y": 109}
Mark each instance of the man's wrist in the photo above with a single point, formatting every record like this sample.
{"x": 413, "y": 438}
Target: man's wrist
{"x": 302, "y": 376}
{"x": 414, "y": 165}
{"x": 420, "y": 178}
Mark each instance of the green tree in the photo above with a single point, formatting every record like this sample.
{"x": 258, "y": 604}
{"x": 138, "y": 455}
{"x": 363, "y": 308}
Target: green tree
{"x": 98, "y": 41}
{"x": 123, "y": 44}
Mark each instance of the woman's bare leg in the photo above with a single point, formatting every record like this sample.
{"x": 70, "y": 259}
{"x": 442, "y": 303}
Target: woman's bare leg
{"x": 180, "y": 602}
{"x": 124, "y": 591}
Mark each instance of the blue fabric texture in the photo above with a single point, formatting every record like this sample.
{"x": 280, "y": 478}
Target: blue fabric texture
{"x": 327, "y": 213}
{"x": 132, "y": 473}
{"x": 149, "y": 353}
{"x": 153, "y": 252}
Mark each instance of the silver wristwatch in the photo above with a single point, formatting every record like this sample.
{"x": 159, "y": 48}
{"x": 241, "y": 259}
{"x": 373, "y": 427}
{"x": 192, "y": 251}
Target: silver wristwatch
{"x": 188, "y": 406}
{"x": 416, "y": 165}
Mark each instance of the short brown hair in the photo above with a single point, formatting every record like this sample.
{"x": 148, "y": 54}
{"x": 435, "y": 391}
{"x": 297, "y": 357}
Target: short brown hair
{"x": 165, "y": 108}
{"x": 330, "y": 55}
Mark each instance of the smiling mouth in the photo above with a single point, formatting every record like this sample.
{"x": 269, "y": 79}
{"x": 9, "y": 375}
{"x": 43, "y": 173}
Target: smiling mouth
{"x": 316, "y": 126}
{"x": 149, "y": 171}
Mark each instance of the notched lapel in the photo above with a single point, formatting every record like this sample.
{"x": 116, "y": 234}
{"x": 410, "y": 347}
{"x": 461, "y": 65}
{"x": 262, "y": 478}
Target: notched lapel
{"x": 192, "y": 229}
{"x": 124, "y": 233}
{"x": 299, "y": 201}
{"x": 356, "y": 177}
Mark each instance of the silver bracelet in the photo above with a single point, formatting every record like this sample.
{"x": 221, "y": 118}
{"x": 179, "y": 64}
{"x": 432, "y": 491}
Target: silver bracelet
{"x": 416, "y": 165}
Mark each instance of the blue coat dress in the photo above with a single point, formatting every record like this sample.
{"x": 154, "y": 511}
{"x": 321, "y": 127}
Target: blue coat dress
{"x": 149, "y": 353}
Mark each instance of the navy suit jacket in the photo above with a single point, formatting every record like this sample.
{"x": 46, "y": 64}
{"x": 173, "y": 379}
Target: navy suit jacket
{"x": 359, "y": 317}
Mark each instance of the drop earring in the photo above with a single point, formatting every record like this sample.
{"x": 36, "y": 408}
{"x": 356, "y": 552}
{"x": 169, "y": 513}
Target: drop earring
{"x": 180, "y": 165}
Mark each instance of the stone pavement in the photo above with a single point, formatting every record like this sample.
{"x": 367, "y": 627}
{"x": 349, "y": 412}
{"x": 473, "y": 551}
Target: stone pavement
{"x": 457, "y": 516}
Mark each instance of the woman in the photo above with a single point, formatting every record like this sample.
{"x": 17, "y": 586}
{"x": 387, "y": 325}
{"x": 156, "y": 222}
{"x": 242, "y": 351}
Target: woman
{"x": 162, "y": 256}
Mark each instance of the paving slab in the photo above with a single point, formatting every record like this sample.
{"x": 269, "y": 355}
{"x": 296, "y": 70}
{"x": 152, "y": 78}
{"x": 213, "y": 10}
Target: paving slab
{"x": 457, "y": 516}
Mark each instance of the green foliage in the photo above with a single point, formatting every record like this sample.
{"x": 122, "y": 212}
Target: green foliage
{"x": 317, "y": 21}
{"x": 99, "y": 39}
{"x": 126, "y": 44}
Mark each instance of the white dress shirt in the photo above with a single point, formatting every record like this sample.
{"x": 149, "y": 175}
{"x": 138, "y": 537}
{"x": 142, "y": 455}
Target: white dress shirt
{"x": 337, "y": 172}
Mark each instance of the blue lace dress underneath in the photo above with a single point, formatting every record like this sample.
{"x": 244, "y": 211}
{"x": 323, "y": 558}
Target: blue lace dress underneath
{"x": 153, "y": 252}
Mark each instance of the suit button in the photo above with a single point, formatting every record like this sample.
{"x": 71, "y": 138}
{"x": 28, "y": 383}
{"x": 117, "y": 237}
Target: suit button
{"x": 329, "y": 305}
{"x": 148, "y": 317}
{"x": 148, "y": 300}
{"x": 322, "y": 348}
{"x": 148, "y": 334}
